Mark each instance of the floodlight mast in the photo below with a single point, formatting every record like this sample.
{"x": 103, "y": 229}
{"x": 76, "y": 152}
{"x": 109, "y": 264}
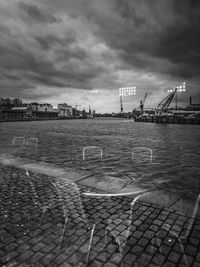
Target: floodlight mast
{"x": 121, "y": 105}
{"x": 126, "y": 91}
{"x": 180, "y": 88}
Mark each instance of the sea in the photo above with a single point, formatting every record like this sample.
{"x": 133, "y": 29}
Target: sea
{"x": 118, "y": 148}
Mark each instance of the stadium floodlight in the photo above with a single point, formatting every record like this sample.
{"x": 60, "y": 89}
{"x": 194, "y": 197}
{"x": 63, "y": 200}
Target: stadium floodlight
{"x": 127, "y": 91}
{"x": 181, "y": 88}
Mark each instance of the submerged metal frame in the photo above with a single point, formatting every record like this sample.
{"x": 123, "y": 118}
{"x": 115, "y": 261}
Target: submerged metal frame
{"x": 32, "y": 139}
{"x": 143, "y": 148}
{"x": 18, "y": 138}
{"x": 92, "y": 147}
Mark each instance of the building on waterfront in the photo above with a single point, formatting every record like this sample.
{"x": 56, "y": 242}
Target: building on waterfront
{"x": 26, "y": 113}
{"x": 65, "y": 110}
{"x": 40, "y": 107}
{"x": 75, "y": 113}
{"x": 43, "y": 111}
{"x": 16, "y": 113}
{"x": 14, "y": 109}
{"x": 45, "y": 107}
{"x": 34, "y": 106}
{"x": 45, "y": 115}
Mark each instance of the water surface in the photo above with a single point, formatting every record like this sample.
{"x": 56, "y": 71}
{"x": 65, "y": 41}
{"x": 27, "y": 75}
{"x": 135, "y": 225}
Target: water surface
{"x": 176, "y": 149}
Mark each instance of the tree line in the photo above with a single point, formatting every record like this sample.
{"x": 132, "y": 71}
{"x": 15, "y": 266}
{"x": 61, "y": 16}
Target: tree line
{"x": 11, "y": 102}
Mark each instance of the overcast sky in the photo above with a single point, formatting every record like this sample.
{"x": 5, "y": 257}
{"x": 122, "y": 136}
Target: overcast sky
{"x": 82, "y": 51}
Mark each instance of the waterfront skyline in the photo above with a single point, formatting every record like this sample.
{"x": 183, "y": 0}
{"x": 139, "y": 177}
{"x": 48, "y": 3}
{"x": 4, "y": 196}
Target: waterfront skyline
{"x": 81, "y": 52}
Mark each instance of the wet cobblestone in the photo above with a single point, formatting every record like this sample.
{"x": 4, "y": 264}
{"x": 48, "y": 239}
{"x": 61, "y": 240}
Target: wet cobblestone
{"x": 45, "y": 221}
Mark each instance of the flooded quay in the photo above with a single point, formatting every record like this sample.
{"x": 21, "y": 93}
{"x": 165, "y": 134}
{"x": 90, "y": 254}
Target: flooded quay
{"x": 175, "y": 160}
{"x": 97, "y": 192}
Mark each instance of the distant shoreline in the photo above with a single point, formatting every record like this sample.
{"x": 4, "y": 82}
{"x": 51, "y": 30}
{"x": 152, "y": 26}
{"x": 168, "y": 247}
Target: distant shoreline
{"x": 55, "y": 119}
{"x": 170, "y": 120}
{"x": 31, "y": 119}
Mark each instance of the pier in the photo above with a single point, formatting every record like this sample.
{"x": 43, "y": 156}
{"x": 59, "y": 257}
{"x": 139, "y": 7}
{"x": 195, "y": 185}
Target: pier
{"x": 177, "y": 120}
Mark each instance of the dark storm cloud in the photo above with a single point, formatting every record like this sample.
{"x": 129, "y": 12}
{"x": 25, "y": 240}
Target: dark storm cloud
{"x": 98, "y": 44}
{"x": 163, "y": 30}
{"x": 180, "y": 43}
{"x": 41, "y": 57}
{"x": 63, "y": 46}
{"x": 40, "y": 70}
{"x": 49, "y": 41}
{"x": 38, "y": 14}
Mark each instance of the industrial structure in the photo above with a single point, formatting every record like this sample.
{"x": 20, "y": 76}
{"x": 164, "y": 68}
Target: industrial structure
{"x": 125, "y": 91}
{"x": 164, "y": 114}
{"x": 162, "y": 108}
{"x": 142, "y": 102}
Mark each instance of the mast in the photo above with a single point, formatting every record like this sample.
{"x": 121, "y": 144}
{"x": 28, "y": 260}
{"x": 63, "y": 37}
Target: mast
{"x": 121, "y": 105}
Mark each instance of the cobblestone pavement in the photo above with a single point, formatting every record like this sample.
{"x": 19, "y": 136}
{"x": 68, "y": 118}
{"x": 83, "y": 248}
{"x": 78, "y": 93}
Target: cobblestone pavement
{"x": 46, "y": 221}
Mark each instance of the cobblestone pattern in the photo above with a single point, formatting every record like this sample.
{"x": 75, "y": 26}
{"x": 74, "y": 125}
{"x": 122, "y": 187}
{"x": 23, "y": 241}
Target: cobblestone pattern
{"x": 47, "y": 222}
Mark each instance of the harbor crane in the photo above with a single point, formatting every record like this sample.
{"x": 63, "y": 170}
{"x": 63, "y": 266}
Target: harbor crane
{"x": 142, "y": 101}
{"x": 164, "y": 104}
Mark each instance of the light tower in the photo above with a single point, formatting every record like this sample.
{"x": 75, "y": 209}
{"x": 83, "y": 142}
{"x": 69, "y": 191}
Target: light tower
{"x": 180, "y": 88}
{"x": 126, "y": 91}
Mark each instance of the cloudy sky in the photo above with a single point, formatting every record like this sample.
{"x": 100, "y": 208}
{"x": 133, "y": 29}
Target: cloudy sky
{"x": 82, "y": 51}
